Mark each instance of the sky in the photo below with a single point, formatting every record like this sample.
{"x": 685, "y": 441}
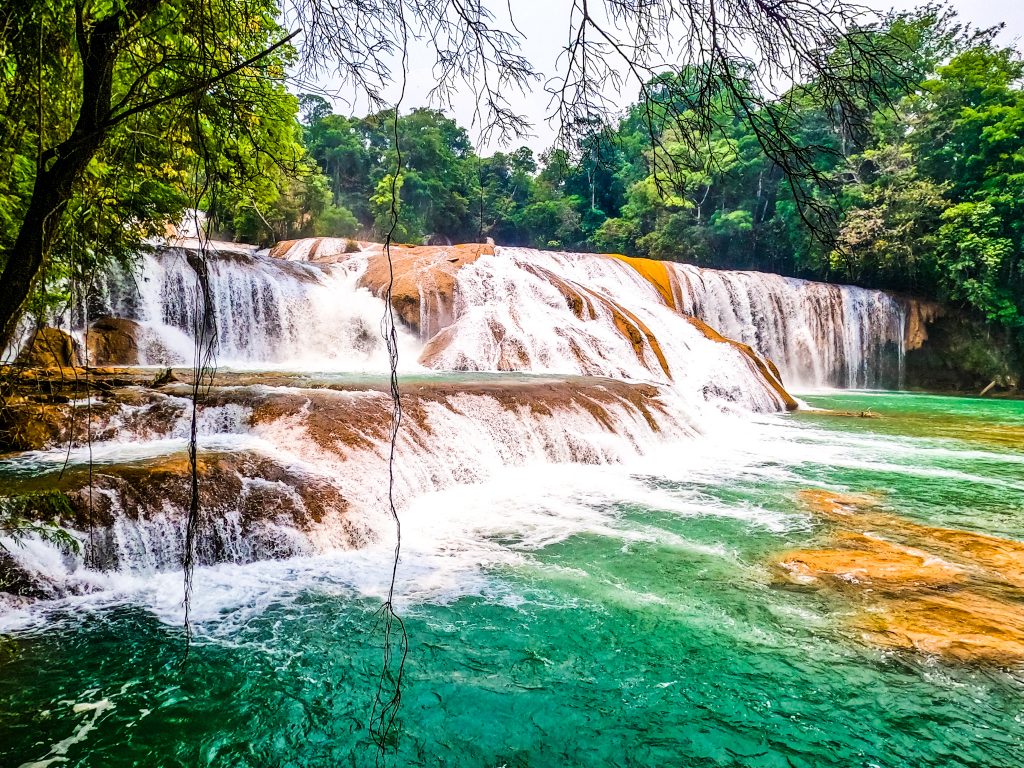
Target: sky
{"x": 544, "y": 24}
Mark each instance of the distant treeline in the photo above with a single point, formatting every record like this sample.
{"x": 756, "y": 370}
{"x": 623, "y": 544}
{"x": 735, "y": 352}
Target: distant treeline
{"x": 929, "y": 187}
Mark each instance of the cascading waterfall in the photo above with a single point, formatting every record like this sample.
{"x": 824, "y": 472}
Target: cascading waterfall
{"x": 565, "y": 358}
{"x": 819, "y": 334}
{"x": 265, "y": 311}
{"x": 306, "y": 309}
{"x": 300, "y": 470}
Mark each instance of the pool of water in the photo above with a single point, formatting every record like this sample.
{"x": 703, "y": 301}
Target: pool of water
{"x": 558, "y": 616}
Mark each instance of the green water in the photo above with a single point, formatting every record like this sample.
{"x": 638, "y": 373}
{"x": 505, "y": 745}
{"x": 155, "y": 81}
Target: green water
{"x": 654, "y": 632}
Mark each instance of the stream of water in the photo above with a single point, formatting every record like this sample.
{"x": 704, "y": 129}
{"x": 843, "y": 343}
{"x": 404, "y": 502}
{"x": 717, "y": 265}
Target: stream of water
{"x": 558, "y": 614}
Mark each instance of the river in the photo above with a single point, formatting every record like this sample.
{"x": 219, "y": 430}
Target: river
{"x": 560, "y": 614}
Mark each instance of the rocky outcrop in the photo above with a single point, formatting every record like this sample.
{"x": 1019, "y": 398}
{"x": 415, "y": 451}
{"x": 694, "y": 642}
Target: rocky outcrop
{"x": 423, "y": 288}
{"x": 113, "y": 341}
{"x": 915, "y": 587}
{"x": 964, "y": 354}
{"x": 920, "y": 315}
{"x": 43, "y": 408}
{"x": 49, "y": 348}
{"x": 423, "y": 292}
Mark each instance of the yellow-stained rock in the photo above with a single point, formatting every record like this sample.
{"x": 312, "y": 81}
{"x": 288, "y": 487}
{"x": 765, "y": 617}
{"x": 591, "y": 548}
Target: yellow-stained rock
{"x": 656, "y": 273}
{"x": 962, "y": 625}
{"x": 915, "y": 587}
{"x": 862, "y": 560}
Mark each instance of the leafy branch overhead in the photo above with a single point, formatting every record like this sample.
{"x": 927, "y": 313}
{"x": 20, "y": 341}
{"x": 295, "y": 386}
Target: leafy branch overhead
{"x": 749, "y": 121}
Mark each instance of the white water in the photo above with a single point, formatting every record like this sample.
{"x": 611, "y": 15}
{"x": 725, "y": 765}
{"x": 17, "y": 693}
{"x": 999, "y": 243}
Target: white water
{"x": 266, "y": 312}
{"x": 510, "y": 313}
{"x": 477, "y": 440}
{"x": 819, "y": 334}
{"x": 509, "y": 316}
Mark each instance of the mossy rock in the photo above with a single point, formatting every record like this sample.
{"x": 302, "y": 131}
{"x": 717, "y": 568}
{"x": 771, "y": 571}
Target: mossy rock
{"x": 49, "y": 348}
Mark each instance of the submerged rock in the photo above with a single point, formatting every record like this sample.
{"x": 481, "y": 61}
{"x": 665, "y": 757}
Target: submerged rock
{"x": 940, "y": 591}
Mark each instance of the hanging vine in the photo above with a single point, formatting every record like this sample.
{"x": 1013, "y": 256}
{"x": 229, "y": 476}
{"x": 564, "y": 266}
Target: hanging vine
{"x": 388, "y": 698}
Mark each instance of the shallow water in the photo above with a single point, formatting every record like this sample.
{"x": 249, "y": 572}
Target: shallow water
{"x": 557, "y": 615}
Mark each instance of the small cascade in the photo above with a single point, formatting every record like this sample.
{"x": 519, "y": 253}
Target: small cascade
{"x": 819, "y": 334}
{"x": 291, "y": 470}
{"x": 525, "y": 310}
{"x": 264, "y": 311}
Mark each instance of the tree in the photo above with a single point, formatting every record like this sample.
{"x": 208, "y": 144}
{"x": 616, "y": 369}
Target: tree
{"x": 177, "y": 83}
{"x": 888, "y": 235}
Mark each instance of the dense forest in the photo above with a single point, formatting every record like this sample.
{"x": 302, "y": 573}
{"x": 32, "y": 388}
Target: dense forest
{"x": 928, "y": 188}
{"x": 922, "y": 193}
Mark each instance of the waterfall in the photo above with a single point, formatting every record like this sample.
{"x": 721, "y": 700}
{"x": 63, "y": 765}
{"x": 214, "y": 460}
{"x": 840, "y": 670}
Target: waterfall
{"x": 511, "y": 357}
{"x": 819, "y": 334}
{"x": 289, "y": 470}
{"x": 511, "y": 310}
{"x": 264, "y": 311}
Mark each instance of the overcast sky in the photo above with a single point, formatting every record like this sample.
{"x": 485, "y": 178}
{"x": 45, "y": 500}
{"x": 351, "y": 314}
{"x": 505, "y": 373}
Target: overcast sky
{"x": 544, "y": 24}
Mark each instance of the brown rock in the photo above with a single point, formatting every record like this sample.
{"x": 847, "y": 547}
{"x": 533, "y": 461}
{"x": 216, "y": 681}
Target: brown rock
{"x": 423, "y": 293}
{"x": 920, "y": 314}
{"x": 113, "y": 341}
{"x": 49, "y": 348}
{"x": 863, "y": 561}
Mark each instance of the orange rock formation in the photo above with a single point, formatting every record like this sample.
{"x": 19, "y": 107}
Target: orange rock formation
{"x": 423, "y": 293}
{"x": 940, "y": 591}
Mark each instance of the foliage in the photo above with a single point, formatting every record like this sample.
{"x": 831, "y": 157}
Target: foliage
{"x": 929, "y": 184}
{"x": 38, "y": 514}
{"x": 117, "y": 116}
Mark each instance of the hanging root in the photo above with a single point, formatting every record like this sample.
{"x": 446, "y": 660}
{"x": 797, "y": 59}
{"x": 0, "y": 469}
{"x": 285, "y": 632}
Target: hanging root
{"x": 388, "y": 698}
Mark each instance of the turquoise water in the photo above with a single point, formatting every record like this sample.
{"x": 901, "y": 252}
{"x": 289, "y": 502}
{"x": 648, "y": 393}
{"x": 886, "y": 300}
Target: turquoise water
{"x": 637, "y": 620}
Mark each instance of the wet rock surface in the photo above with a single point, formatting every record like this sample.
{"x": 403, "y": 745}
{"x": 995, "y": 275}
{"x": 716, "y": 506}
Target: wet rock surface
{"x": 423, "y": 292}
{"x": 113, "y": 341}
{"x": 913, "y": 587}
{"x": 259, "y": 502}
{"x": 49, "y": 348}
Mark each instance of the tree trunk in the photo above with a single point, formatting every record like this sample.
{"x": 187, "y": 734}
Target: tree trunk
{"x": 63, "y": 165}
{"x": 52, "y": 192}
